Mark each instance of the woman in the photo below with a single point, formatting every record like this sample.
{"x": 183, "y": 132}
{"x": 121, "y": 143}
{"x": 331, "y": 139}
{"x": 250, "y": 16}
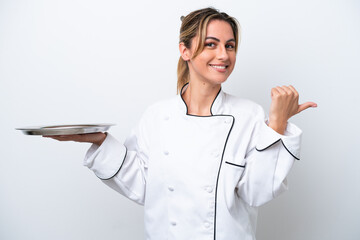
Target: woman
{"x": 202, "y": 162}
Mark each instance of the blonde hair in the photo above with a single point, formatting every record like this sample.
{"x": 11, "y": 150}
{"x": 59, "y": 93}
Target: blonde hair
{"x": 195, "y": 24}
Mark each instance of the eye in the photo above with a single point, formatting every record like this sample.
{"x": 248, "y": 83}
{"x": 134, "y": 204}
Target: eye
{"x": 210, "y": 44}
{"x": 229, "y": 46}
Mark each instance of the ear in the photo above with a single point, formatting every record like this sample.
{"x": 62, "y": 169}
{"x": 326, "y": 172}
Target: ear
{"x": 184, "y": 51}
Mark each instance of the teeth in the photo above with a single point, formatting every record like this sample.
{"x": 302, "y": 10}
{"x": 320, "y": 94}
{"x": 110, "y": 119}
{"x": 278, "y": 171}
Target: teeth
{"x": 220, "y": 67}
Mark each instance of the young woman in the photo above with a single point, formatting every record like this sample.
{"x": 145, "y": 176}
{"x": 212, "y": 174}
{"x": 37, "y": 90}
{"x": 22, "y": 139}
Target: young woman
{"x": 202, "y": 162}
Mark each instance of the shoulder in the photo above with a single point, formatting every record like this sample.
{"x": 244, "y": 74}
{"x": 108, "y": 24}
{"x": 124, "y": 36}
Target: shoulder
{"x": 239, "y": 105}
{"x": 160, "y": 109}
{"x": 162, "y": 105}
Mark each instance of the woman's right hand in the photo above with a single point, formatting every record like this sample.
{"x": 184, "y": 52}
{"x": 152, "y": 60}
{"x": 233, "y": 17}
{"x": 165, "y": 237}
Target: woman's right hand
{"x": 95, "y": 138}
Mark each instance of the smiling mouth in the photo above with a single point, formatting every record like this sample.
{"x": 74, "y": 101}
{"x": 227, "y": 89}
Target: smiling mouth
{"x": 221, "y": 67}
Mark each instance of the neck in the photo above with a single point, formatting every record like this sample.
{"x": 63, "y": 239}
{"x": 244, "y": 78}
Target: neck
{"x": 199, "y": 98}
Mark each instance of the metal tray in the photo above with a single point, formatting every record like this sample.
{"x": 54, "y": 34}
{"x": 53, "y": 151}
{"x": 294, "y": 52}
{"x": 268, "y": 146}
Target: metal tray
{"x": 65, "y": 129}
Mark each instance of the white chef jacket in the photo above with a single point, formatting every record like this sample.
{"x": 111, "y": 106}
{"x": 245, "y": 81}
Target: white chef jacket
{"x": 199, "y": 177}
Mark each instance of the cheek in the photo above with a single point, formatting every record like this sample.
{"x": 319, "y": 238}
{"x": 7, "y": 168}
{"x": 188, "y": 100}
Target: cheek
{"x": 232, "y": 64}
{"x": 205, "y": 58}
{"x": 233, "y": 59}
{"x": 233, "y": 56}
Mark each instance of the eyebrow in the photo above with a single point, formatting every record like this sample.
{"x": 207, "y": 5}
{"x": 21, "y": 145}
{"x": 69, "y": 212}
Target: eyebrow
{"x": 216, "y": 39}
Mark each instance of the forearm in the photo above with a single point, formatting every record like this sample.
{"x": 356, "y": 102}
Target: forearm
{"x": 120, "y": 169}
{"x": 268, "y": 164}
{"x": 99, "y": 138}
{"x": 278, "y": 126}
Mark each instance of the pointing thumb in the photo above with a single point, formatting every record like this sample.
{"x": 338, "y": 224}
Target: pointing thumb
{"x": 306, "y": 105}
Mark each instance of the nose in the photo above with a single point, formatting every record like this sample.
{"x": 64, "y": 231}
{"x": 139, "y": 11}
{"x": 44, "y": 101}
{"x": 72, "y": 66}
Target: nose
{"x": 222, "y": 53}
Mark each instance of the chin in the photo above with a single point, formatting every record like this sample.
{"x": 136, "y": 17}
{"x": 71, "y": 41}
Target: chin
{"x": 218, "y": 80}
{"x": 216, "y": 83}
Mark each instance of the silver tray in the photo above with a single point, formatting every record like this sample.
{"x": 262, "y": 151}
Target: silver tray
{"x": 65, "y": 129}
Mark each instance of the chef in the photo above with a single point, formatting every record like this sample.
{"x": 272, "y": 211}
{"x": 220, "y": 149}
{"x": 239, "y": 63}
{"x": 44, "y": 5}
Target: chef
{"x": 202, "y": 162}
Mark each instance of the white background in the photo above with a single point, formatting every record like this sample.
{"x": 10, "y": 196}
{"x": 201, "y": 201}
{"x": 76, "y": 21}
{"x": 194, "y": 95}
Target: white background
{"x": 77, "y": 61}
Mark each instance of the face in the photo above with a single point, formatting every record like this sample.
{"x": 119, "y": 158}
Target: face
{"x": 216, "y": 62}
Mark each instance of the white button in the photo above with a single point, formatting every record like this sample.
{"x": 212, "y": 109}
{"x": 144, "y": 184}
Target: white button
{"x": 171, "y": 188}
{"x": 206, "y": 225}
{"x": 173, "y": 223}
{"x": 166, "y": 152}
{"x": 227, "y": 121}
{"x": 166, "y": 118}
{"x": 209, "y": 189}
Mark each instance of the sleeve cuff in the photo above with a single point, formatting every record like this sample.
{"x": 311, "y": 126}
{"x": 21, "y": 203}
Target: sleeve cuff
{"x": 290, "y": 140}
{"x": 106, "y": 160}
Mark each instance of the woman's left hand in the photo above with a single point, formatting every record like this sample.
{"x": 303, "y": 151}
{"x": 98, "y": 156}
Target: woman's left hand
{"x": 284, "y": 105}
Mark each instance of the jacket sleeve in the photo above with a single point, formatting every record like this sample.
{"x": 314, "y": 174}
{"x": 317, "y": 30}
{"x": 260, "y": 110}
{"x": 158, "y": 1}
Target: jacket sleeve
{"x": 123, "y": 167}
{"x": 268, "y": 162}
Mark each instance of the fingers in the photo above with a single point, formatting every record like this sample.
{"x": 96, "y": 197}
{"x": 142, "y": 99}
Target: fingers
{"x": 63, "y": 137}
{"x": 274, "y": 92}
{"x": 281, "y": 90}
{"x": 306, "y": 105}
{"x": 86, "y": 137}
{"x": 296, "y": 94}
{"x": 285, "y": 103}
{"x": 288, "y": 91}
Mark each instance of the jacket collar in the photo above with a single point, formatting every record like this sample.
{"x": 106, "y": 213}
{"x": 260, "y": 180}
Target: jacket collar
{"x": 216, "y": 105}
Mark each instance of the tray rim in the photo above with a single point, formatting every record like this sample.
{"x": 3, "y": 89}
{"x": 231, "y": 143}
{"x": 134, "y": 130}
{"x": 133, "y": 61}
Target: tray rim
{"x": 65, "y": 129}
